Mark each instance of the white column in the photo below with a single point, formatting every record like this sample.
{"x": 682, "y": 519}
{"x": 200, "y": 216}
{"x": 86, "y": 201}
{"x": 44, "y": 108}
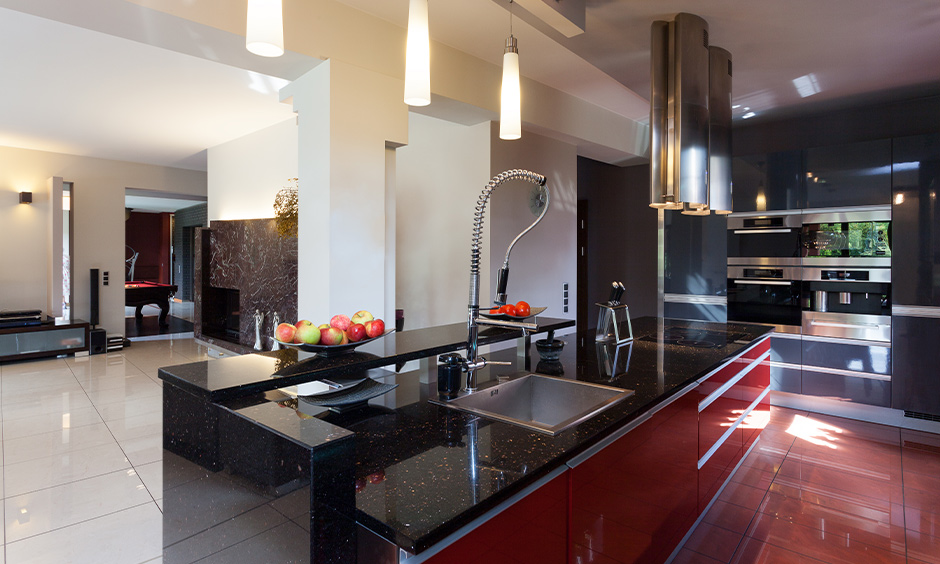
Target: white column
{"x": 347, "y": 116}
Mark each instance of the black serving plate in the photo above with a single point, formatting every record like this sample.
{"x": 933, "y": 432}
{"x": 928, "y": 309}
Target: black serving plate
{"x": 330, "y": 350}
{"x": 506, "y": 317}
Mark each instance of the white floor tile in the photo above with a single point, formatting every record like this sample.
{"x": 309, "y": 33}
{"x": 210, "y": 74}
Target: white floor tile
{"x": 134, "y": 388}
{"x": 61, "y": 379}
{"x": 144, "y": 425}
{"x": 284, "y": 543}
{"x": 118, "y": 381}
{"x": 53, "y": 508}
{"x": 32, "y": 366}
{"x": 143, "y": 450}
{"x": 55, "y": 442}
{"x": 132, "y": 535}
{"x": 224, "y": 535}
{"x": 43, "y": 423}
{"x": 131, "y": 408}
{"x": 43, "y": 403}
{"x": 151, "y": 474}
{"x": 61, "y": 469}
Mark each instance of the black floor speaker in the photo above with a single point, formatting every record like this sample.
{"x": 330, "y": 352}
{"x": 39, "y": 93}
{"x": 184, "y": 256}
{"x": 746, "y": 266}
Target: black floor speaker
{"x": 97, "y": 341}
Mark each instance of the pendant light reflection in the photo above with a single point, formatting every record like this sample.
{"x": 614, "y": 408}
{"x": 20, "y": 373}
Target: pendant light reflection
{"x": 418, "y": 55}
{"x": 264, "y": 33}
{"x": 510, "y": 102}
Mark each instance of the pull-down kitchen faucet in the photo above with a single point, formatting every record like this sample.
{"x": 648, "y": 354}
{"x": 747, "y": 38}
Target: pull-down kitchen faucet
{"x": 473, "y": 361}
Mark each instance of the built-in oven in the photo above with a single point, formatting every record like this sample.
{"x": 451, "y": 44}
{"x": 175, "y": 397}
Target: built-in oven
{"x": 761, "y": 236}
{"x": 845, "y": 300}
{"x": 767, "y": 293}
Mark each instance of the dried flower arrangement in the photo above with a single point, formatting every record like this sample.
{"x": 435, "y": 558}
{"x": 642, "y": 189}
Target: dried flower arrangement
{"x": 285, "y": 210}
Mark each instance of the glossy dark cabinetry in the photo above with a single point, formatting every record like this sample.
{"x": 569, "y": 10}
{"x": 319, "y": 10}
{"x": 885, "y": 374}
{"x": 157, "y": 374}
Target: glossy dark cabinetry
{"x": 853, "y": 372}
{"x": 767, "y": 182}
{"x": 786, "y": 351}
{"x": 856, "y": 174}
{"x": 915, "y": 211}
{"x": 531, "y": 531}
{"x": 916, "y": 385}
{"x": 696, "y": 254}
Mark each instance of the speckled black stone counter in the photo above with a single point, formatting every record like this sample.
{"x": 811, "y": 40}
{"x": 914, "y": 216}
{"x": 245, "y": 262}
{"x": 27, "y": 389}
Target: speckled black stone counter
{"x": 423, "y": 471}
{"x": 251, "y": 374}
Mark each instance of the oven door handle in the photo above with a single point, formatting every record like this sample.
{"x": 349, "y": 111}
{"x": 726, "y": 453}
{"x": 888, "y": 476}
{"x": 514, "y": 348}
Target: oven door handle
{"x": 845, "y": 325}
{"x": 764, "y": 282}
{"x": 759, "y": 231}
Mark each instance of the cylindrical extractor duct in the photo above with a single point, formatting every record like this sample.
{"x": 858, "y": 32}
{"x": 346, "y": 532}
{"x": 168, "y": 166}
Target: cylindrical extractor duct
{"x": 719, "y": 143}
{"x": 685, "y": 78}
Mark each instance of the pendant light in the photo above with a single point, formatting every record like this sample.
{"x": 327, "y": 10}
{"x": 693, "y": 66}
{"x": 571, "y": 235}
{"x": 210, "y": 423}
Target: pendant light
{"x": 418, "y": 55}
{"x": 510, "y": 103}
{"x": 264, "y": 34}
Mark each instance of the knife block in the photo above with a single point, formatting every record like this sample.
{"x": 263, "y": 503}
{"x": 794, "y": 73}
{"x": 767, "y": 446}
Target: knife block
{"x": 611, "y": 321}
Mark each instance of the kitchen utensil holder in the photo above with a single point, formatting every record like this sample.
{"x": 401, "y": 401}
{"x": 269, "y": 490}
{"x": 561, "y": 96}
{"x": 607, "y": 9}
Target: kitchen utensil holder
{"x": 610, "y": 324}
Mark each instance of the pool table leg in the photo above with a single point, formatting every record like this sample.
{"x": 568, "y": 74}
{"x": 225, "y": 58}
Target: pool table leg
{"x": 164, "y": 310}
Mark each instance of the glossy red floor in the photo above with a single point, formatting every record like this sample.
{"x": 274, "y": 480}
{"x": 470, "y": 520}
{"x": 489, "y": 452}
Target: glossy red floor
{"x": 825, "y": 489}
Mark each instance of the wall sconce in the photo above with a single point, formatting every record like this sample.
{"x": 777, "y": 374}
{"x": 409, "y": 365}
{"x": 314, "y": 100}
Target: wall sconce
{"x": 26, "y": 197}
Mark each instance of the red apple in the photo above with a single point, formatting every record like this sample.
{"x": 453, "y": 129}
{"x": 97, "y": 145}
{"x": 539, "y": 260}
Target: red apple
{"x": 309, "y": 335}
{"x": 331, "y": 336}
{"x": 285, "y": 332}
{"x": 375, "y": 328}
{"x": 345, "y": 340}
{"x": 341, "y": 322}
{"x": 362, "y": 317}
{"x": 356, "y": 332}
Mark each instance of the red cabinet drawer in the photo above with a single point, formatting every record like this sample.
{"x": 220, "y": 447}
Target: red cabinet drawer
{"x": 716, "y": 470}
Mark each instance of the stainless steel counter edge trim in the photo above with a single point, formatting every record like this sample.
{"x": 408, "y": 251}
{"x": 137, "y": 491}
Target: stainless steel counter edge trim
{"x": 704, "y": 460}
{"x": 849, "y": 373}
{"x": 702, "y": 405}
{"x": 788, "y": 332}
{"x": 915, "y": 311}
{"x": 462, "y": 531}
{"x": 695, "y": 299}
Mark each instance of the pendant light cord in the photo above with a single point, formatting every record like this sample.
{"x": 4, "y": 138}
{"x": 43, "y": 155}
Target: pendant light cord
{"x": 510, "y": 18}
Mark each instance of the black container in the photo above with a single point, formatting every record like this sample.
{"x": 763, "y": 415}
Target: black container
{"x": 448, "y": 373}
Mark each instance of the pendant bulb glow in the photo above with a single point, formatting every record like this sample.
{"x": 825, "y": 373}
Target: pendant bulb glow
{"x": 418, "y": 55}
{"x": 264, "y": 33}
{"x": 510, "y": 104}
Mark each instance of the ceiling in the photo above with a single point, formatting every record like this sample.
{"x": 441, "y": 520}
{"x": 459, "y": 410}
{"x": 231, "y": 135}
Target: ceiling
{"x": 114, "y": 79}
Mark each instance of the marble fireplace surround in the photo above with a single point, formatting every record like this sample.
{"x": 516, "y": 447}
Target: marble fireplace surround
{"x": 248, "y": 256}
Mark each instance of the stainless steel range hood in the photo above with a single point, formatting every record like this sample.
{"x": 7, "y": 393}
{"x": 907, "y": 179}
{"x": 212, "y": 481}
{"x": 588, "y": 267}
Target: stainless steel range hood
{"x": 680, "y": 117}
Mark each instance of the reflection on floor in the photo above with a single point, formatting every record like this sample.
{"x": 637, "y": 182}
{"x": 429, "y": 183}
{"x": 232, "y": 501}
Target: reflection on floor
{"x": 179, "y": 320}
{"x": 84, "y": 475}
{"x": 826, "y": 489}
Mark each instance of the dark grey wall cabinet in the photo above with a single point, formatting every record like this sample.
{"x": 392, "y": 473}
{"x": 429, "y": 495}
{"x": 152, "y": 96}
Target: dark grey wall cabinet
{"x": 915, "y": 212}
{"x": 856, "y": 174}
{"x": 916, "y": 385}
{"x": 767, "y": 182}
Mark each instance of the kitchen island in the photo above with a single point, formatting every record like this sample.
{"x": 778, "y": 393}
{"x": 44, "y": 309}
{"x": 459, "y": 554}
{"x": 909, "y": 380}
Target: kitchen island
{"x": 402, "y": 478}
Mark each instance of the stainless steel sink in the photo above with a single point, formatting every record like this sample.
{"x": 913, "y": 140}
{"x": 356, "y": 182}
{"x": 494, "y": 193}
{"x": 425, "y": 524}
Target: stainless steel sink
{"x": 541, "y": 403}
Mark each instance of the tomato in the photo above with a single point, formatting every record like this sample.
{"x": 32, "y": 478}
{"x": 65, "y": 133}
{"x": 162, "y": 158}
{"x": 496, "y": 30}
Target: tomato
{"x": 508, "y": 309}
{"x": 523, "y": 309}
{"x": 494, "y": 310}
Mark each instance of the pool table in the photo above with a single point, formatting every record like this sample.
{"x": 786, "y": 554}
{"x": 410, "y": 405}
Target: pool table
{"x": 141, "y": 293}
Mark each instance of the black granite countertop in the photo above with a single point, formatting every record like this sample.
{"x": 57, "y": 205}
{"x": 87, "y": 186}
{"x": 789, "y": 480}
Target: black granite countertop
{"x": 241, "y": 376}
{"x": 424, "y": 470}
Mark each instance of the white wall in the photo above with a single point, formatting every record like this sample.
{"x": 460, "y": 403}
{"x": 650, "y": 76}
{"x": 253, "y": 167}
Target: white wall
{"x": 246, "y": 174}
{"x": 98, "y": 212}
{"x": 441, "y": 172}
{"x": 546, "y": 258}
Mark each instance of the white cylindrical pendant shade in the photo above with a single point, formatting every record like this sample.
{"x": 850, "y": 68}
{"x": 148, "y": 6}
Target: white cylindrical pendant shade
{"x": 264, "y": 34}
{"x": 510, "y": 106}
{"x": 418, "y": 56}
